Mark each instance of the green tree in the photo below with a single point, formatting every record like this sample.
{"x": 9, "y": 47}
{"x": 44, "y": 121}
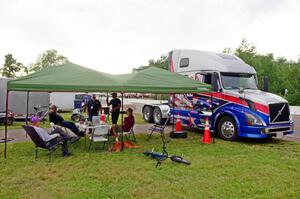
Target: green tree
{"x": 292, "y": 83}
{"x": 162, "y": 62}
{"x": 12, "y": 67}
{"x": 48, "y": 59}
{"x": 227, "y": 51}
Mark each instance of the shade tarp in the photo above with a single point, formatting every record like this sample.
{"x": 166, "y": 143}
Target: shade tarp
{"x": 71, "y": 77}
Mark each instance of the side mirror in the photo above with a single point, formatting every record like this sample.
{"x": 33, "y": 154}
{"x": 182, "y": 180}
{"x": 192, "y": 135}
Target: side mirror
{"x": 266, "y": 84}
{"x": 214, "y": 83}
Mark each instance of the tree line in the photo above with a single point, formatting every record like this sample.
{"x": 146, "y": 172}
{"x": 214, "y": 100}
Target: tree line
{"x": 283, "y": 74}
{"x": 14, "y": 69}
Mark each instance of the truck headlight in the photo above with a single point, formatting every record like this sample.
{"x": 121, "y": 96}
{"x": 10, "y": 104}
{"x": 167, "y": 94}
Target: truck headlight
{"x": 253, "y": 120}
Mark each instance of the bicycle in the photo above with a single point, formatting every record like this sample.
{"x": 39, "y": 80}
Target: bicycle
{"x": 165, "y": 155}
{"x": 161, "y": 157}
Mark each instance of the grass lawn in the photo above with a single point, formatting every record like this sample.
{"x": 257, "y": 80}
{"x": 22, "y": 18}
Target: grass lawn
{"x": 67, "y": 116}
{"x": 223, "y": 170}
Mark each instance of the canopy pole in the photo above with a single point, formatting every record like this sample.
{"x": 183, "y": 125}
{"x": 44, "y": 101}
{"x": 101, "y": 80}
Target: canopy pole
{"x": 6, "y": 123}
{"x": 122, "y": 109}
{"x": 212, "y": 112}
{"x": 27, "y": 107}
{"x": 173, "y": 119}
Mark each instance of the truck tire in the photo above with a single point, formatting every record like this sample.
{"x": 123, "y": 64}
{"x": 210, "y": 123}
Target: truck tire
{"x": 157, "y": 116}
{"x": 148, "y": 114}
{"x": 227, "y": 129}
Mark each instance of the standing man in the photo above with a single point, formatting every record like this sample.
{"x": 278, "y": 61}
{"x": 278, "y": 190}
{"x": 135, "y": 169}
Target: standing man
{"x": 115, "y": 111}
{"x": 93, "y": 107}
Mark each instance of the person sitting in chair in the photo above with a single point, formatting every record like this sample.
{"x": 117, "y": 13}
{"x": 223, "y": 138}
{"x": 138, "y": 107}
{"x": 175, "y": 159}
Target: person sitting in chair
{"x": 128, "y": 123}
{"x": 35, "y": 123}
{"x": 59, "y": 120}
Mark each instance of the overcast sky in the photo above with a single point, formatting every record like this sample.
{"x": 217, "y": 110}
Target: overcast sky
{"x": 115, "y": 36}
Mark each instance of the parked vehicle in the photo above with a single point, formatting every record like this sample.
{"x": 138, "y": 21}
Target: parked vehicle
{"x": 11, "y": 118}
{"x": 235, "y": 107}
{"x": 77, "y": 115}
{"x": 42, "y": 111}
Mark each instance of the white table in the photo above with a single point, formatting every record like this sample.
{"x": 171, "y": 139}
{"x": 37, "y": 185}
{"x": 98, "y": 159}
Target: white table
{"x": 85, "y": 127}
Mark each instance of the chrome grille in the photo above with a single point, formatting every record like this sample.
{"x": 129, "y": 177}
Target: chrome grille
{"x": 279, "y": 112}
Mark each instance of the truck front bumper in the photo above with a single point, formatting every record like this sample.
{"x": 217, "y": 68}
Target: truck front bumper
{"x": 277, "y": 130}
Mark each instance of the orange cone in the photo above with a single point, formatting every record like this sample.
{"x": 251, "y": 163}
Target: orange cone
{"x": 206, "y": 136}
{"x": 178, "y": 123}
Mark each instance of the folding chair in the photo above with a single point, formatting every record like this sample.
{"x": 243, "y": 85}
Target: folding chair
{"x": 158, "y": 128}
{"x": 129, "y": 133}
{"x": 99, "y": 134}
{"x": 50, "y": 145}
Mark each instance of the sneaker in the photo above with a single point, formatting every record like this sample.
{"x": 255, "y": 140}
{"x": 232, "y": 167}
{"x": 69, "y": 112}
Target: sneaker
{"x": 74, "y": 139}
{"x": 67, "y": 154}
{"x": 81, "y": 133}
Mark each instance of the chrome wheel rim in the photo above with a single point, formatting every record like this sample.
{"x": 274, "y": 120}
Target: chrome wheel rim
{"x": 157, "y": 117}
{"x": 227, "y": 129}
{"x": 146, "y": 114}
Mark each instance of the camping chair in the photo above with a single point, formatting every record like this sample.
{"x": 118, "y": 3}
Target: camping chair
{"x": 55, "y": 126}
{"x": 50, "y": 145}
{"x": 128, "y": 133}
{"x": 99, "y": 134}
{"x": 158, "y": 128}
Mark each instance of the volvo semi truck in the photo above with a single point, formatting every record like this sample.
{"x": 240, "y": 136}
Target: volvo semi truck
{"x": 235, "y": 107}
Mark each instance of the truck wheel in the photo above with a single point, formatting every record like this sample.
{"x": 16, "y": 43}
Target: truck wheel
{"x": 148, "y": 114}
{"x": 157, "y": 116}
{"x": 227, "y": 129}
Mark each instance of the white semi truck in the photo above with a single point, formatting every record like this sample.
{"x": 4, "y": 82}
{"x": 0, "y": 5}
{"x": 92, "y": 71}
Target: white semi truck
{"x": 235, "y": 107}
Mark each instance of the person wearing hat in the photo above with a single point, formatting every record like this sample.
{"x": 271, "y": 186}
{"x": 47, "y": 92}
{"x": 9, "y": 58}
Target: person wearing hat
{"x": 116, "y": 105}
{"x": 115, "y": 111}
{"x": 35, "y": 123}
{"x": 93, "y": 107}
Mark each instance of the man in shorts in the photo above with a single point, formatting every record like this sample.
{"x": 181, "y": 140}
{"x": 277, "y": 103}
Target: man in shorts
{"x": 115, "y": 111}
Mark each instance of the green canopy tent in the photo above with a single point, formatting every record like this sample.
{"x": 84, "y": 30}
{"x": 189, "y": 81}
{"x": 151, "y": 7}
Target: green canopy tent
{"x": 71, "y": 77}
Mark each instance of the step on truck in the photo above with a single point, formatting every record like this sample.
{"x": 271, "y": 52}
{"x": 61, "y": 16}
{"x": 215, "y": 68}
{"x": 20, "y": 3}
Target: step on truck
{"x": 235, "y": 107}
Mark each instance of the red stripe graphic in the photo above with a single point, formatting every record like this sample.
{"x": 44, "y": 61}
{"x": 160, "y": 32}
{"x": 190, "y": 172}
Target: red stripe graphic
{"x": 259, "y": 107}
{"x": 171, "y": 64}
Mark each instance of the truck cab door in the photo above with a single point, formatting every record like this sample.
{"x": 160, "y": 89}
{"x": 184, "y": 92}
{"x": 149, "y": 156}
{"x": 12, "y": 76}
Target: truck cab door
{"x": 211, "y": 78}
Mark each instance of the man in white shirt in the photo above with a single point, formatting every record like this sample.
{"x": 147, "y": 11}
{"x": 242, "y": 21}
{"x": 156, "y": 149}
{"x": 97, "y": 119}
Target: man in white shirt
{"x": 35, "y": 123}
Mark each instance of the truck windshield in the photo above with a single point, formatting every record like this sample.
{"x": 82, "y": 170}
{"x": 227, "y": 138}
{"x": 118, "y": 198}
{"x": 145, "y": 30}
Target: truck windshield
{"x": 238, "y": 80}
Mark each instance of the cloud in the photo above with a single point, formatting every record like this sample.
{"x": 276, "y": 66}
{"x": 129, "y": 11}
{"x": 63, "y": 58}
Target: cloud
{"x": 115, "y": 36}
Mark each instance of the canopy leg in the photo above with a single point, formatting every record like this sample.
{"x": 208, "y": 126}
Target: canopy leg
{"x": 212, "y": 111}
{"x": 6, "y": 123}
{"x": 27, "y": 107}
{"x": 122, "y": 109}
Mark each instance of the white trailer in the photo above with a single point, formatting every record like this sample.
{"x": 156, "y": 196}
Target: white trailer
{"x": 17, "y": 100}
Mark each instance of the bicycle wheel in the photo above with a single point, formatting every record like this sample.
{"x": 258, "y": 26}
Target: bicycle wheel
{"x": 179, "y": 159}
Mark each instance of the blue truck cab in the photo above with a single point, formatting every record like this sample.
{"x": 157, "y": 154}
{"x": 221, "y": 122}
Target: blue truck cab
{"x": 235, "y": 108}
